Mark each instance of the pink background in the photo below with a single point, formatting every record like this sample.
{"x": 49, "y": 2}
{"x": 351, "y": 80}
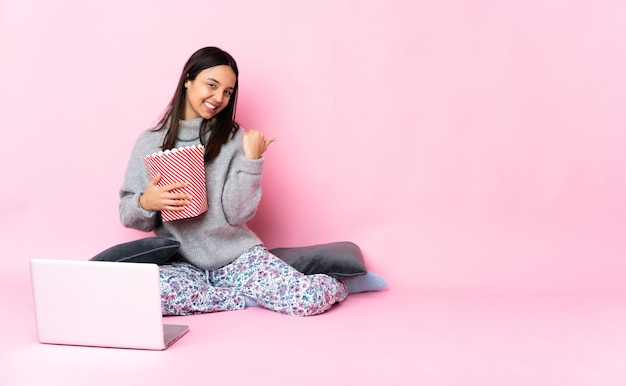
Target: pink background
{"x": 464, "y": 145}
{"x": 473, "y": 149}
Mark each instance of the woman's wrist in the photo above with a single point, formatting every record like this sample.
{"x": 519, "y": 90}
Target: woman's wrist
{"x": 141, "y": 204}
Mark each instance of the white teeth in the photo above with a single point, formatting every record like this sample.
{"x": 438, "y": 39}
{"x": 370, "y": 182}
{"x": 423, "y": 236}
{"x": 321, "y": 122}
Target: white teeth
{"x": 209, "y": 106}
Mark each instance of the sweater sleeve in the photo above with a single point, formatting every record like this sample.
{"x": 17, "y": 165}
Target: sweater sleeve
{"x": 132, "y": 215}
{"x": 242, "y": 189}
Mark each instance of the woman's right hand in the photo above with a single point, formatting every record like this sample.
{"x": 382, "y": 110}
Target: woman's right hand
{"x": 161, "y": 197}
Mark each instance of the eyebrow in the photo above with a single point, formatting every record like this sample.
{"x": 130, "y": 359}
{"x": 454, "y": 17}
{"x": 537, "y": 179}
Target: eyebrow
{"x": 218, "y": 82}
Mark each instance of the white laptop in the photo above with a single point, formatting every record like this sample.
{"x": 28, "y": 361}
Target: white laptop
{"x": 97, "y": 303}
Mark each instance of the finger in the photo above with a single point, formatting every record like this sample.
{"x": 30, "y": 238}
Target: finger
{"x": 178, "y": 202}
{"x": 174, "y": 186}
{"x": 178, "y": 196}
{"x": 175, "y": 204}
{"x": 174, "y": 208}
{"x": 269, "y": 141}
{"x": 154, "y": 180}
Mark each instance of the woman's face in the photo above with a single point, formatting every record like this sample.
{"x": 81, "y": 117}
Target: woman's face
{"x": 209, "y": 93}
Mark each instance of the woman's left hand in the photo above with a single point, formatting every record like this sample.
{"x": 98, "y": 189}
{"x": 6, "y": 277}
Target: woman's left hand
{"x": 255, "y": 144}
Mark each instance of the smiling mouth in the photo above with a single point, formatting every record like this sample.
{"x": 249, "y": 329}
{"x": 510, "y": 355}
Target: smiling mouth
{"x": 210, "y": 106}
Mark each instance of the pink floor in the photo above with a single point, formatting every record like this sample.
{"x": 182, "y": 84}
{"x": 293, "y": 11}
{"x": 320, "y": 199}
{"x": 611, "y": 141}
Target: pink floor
{"x": 395, "y": 337}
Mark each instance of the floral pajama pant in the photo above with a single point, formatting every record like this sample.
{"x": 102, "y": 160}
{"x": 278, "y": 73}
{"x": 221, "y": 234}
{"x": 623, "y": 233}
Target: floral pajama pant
{"x": 258, "y": 275}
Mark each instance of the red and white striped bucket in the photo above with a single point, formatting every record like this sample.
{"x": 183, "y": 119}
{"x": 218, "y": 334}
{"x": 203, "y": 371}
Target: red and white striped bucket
{"x": 184, "y": 164}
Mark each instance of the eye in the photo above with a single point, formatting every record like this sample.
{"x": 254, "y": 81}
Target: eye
{"x": 212, "y": 86}
{"x": 228, "y": 92}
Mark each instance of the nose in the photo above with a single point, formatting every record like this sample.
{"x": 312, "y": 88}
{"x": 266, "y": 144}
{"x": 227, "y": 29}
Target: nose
{"x": 218, "y": 97}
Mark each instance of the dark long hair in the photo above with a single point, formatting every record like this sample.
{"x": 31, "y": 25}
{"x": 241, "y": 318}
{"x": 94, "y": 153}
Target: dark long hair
{"x": 223, "y": 125}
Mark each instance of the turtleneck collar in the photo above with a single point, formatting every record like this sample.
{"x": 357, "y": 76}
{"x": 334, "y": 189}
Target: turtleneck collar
{"x": 189, "y": 130}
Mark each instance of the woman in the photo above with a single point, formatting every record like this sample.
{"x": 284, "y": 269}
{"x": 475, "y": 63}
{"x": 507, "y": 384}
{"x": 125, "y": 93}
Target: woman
{"x": 224, "y": 265}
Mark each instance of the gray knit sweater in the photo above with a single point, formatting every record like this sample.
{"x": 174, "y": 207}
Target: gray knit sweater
{"x": 218, "y": 236}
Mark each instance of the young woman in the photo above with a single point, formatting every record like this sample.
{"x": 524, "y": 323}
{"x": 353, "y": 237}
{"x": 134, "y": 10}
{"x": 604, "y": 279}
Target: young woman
{"x": 224, "y": 265}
